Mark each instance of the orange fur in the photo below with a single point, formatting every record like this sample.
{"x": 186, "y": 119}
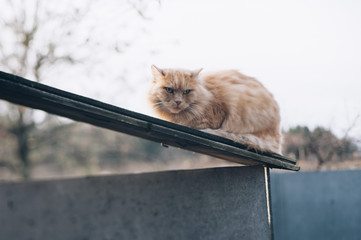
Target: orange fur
{"x": 225, "y": 103}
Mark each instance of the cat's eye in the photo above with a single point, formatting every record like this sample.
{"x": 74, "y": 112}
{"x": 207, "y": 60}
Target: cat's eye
{"x": 169, "y": 90}
{"x": 186, "y": 92}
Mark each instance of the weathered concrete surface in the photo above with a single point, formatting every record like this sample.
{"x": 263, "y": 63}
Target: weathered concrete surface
{"x": 316, "y": 205}
{"x": 223, "y": 203}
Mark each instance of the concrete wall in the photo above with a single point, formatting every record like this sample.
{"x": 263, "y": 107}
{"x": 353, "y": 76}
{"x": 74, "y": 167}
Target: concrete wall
{"x": 316, "y": 205}
{"x": 223, "y": 203}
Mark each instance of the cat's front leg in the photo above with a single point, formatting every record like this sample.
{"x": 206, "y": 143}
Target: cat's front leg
{"x": 208, "y": 130}
{"x": 199, "y": 124}
{"x": 206, "y": 123}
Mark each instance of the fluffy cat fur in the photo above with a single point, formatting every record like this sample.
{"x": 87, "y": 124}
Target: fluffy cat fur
{"x": 226, "y": 103}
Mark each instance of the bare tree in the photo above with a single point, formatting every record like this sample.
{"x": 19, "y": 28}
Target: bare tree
{"x": 34, "y": 37}
{"x": 320, "y": 144}
{"x": 24, "y": 56}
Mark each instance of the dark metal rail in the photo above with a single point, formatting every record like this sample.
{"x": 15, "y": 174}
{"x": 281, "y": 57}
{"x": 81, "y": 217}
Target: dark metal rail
{"x": 35, "y": 95}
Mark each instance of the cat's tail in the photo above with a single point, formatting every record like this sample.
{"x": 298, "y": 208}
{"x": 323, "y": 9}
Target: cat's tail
{"x": 267, "y": 143}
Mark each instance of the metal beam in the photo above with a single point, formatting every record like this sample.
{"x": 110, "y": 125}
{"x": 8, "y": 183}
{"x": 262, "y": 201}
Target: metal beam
{"x": 35, "y": 95}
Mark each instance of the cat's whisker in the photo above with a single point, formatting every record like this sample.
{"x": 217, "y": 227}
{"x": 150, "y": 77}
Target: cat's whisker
{"x": 157, "y": 105}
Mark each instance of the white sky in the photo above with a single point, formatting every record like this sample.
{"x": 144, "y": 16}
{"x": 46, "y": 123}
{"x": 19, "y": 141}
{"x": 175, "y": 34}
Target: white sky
{"x": 308, "y": 53}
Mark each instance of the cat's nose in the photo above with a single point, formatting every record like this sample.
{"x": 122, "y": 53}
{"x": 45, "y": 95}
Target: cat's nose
{"x": 178, "y": 102}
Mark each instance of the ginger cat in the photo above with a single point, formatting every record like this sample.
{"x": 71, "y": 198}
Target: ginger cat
{"x": 225, "y": 103}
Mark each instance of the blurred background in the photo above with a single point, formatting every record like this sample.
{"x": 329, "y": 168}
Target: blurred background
{"x": 306, "y": 53}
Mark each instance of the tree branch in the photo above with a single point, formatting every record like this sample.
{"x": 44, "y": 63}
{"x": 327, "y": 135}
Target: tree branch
{"x": 353, "y": 124}
{"x": 10, "y": 166}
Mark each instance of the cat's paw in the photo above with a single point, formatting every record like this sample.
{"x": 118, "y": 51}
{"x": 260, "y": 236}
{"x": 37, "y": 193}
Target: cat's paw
{"x": 208, "y": 130}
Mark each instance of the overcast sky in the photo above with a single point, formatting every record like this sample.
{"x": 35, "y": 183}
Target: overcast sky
{"x": 308, "y": 53}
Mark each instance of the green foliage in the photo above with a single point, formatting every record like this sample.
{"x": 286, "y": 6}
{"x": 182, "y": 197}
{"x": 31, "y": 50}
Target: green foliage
{"x": 320, "y": 144}
{"x": 302, "y": 130}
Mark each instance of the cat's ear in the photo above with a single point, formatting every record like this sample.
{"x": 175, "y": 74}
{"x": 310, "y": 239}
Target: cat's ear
{"x": 157, "y": 72}
{"x": 195, "y": 73}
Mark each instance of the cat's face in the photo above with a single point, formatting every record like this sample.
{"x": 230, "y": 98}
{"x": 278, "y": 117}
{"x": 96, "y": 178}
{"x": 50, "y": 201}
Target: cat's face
{"x": 174, "y": 90}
